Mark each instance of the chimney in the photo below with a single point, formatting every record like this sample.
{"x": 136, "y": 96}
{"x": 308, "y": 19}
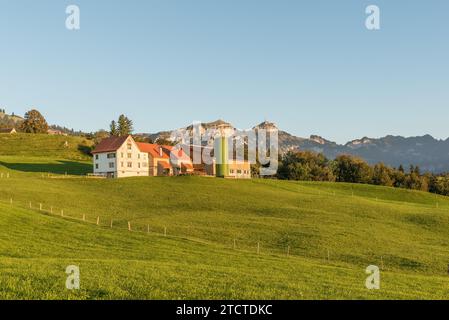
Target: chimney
{"x": 160, "y": 151}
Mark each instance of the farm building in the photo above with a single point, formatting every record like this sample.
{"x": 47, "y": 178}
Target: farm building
{"x": 117, "y": 157}
{"x": 8, "y": 130}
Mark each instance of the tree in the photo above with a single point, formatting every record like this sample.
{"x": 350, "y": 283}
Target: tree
{"x": 382, "y": 175}
{"x": 34, "y": 122}
{"x": 125, "y": 126}
{"x": 306, "y": 166}
{"x": 113, "y": 128}
{"x": 352, "y": 169}
{"x": 399, "y": 177}
{"x": 142, "y": 138}
{"x": 165, "y": 142}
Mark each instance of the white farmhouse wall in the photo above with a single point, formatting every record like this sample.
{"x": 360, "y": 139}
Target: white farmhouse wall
{"x": 130, "y": 161}
{"x": 127, "y": 161}
{"x": 104, "y": 165}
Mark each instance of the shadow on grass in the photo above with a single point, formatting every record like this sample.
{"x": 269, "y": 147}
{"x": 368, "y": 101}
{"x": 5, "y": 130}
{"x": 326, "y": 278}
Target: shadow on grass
{"x": 87, "y": 150}
{"x": 59, "y": 167}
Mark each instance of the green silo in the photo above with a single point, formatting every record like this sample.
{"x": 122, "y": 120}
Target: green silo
{"x": 221, "y": 156}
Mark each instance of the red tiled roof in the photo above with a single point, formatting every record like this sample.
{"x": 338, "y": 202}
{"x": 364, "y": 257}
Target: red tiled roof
{"x": 187, "y": 165}
{"x": 164, "y": 164}
{"x": 178, "y": 153}
{"x": 110, "y": 144}
{"x": 153, "y": 150}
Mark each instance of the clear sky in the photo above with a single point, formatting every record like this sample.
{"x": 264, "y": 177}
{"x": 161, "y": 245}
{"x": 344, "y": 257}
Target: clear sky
{"x": 310, "y": 66}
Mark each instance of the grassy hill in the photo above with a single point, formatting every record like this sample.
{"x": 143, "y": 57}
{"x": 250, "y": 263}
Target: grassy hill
{"x": 45, "y": 146}
{"x": 331, "y": 231}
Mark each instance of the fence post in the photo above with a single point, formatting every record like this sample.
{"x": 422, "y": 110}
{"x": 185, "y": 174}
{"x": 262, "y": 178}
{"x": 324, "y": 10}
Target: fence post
{"x": 111, "y": 223}
{"x": 98, "y": 221}
{"x": 235, "y": 245}
{"x": 148, "y": 228}
{"x": 62, "y": 213}
{"x": 40, "y": 206}
{"x": 258, "y": 247}
{"x": 129, "y": 226}
{"x": 30, "y": 205}
{"x": 328, "y": 255}
{"x": 51, "y": 209}
{"x": 84, "y": 217}
{"x": 10, "y": 201}
{"x": 165, "y": 231}
{"x": 381, "y": 262}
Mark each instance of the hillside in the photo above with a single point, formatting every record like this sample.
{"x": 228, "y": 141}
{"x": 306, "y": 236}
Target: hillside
{"x": 331, "y": 231}
{"x": 35, "y": 249}
{"x": 45, "y": 146}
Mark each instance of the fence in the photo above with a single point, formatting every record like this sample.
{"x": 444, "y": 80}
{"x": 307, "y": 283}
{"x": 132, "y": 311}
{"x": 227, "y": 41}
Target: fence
{"x": 236, "y": 243}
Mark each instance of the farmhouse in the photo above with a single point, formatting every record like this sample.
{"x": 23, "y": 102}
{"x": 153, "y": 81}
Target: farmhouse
{"x": 238, "y": 169}
{"x": 118, "y": 157}
{"x": 164, "y": 160}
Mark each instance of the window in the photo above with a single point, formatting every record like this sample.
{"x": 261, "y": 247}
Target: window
{"x": 122, "y": 154}
{"x": 129, "y": 146}
{"x": 130, "y": 164}
{"x": 138, "y": 165}
{"x": 111, "y": 164}
{"x": 96, "y": 157}
{"x": 129, "y": 155}
{"x": 239, "y": 171}
{"x": 96, "y": 166}
{"x": 111, "y": 155}
{"x": 231, "y": 171}
{"x": 138, "y": 156}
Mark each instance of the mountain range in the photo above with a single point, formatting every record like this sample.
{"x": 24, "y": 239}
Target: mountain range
{"x": 428, "y": 153}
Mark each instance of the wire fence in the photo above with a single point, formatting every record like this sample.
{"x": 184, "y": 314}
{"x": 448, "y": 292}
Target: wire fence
{"x": 237, "y": 243}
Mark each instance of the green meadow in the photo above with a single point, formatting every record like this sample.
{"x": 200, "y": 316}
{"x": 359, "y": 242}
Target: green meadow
{"x": 207, "y": 238}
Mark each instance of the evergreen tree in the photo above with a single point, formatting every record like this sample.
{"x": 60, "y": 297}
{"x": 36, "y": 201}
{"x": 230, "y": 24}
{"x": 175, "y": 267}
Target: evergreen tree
{"x": 113, "y": 128}
{"x": 124, "y": 126}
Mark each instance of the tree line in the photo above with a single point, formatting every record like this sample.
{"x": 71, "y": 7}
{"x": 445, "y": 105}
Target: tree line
{"x": 311, "y": 166}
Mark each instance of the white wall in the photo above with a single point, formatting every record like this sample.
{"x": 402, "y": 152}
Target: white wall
{"x": 138, "y": 161}
{"x": 102, "y": 160}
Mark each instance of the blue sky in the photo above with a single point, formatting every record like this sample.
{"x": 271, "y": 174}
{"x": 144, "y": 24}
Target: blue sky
{"x": 310, "y": 66}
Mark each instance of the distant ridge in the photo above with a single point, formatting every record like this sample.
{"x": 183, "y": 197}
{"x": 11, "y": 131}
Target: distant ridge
{"x": 425, "y": 151}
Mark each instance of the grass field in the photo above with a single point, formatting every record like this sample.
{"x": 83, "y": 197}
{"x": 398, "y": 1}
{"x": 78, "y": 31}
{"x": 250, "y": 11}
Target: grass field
{"x": 332, "y": 232}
